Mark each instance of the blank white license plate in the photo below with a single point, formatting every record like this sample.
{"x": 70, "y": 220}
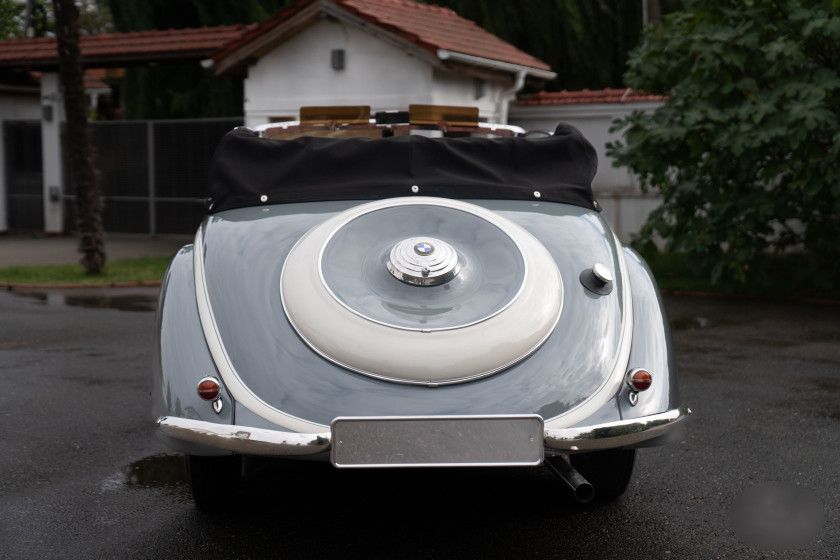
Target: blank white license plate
{"x": 437, "y": 441}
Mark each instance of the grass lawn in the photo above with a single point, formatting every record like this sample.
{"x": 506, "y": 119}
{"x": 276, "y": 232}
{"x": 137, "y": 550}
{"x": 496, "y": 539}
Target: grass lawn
{"x": 146, "y": 269}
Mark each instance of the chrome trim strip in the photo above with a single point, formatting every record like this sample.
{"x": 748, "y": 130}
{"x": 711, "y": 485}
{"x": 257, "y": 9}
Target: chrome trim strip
{"x": 233, "y": 382}
{"x": 615, "y": 434}
{"x": 242, "y": 439}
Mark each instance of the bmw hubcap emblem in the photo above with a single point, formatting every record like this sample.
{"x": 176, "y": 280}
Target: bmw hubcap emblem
{"x": 423, "y": 261}
{"x": 424, "y": 248}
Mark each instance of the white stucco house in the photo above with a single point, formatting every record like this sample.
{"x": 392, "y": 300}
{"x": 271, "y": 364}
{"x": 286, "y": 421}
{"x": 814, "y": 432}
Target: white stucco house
{"x": 383, "y": 53}
{"x": 386, "y": 54}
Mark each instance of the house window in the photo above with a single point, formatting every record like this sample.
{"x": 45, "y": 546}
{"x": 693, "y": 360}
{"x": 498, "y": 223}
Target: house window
{"x": 337, "y": 59}
{"x": 479, "y": 88}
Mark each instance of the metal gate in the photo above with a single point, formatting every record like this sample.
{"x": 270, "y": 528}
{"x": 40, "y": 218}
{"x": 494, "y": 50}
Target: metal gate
{"x": 152, "y": 174}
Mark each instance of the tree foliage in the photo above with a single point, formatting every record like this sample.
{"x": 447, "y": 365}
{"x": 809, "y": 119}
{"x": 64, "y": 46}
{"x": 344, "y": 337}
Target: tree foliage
{"x": 94, "y": 18}
{"x": 170, "y": 91}
{"x": 746, "y": 151}
{"x": 585, "y": 41}
{"x": 11, "y": 19}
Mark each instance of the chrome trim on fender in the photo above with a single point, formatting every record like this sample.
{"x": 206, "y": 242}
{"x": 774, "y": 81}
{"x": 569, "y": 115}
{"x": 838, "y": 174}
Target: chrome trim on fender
{"x": 240, "y": 392}
{"x": 615, "y": 434}
{"x": 243, "y": 439}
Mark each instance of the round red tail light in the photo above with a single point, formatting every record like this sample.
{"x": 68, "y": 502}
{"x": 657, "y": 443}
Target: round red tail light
{"x": 209, "y": 388}
{"x": 639, "y": 379}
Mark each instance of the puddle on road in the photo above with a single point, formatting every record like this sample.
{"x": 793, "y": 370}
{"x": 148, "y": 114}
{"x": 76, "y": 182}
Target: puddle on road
{"x": 103, "y": 300}
{"x": 157, "y": 471}
{"x": 134, "y": 302}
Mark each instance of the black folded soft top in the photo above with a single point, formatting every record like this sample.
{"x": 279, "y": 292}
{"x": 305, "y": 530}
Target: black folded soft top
{"x": 249, "y": 170}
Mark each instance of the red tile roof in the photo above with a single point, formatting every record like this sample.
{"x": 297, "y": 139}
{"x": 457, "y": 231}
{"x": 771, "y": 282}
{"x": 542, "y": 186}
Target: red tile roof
{"x": 428, "y": 26}
{"x": 434, "y": 27}
{"x": 123, "y": 48}
{"x": 589, "y": 96}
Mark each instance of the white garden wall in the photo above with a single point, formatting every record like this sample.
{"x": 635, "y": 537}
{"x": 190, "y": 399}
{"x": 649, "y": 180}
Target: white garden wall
{"x": 625, "y": 207}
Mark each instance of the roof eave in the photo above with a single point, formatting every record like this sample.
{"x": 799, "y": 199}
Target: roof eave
{"x": 233, "y": 59}
{"x": 238, "y": 55}
{"x": 496, "y": 65}
{"x": 51, "y": 64}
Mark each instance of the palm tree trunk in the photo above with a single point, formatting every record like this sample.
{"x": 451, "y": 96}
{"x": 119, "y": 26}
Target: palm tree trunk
{"x": 79, "y": 142}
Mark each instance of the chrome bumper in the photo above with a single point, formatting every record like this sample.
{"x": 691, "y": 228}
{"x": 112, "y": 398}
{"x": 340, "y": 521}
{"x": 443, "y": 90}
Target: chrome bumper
{"x": 243, "y": 439}
{"x": 259, "y": 441}
{"x": 624, "y": 433}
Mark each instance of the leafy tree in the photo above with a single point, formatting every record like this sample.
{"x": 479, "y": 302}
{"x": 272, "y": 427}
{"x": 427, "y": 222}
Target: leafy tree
{"x": 11, "y": 19}
{"x": 746, "y": 151}
{"x": 170, "y": 91}
{"x": 585, "y": 41}
{"x": 94, "y": 18}
{"x": 80, "y": 143}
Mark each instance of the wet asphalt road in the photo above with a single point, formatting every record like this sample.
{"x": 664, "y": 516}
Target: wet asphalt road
{"x": 81, "y": 475}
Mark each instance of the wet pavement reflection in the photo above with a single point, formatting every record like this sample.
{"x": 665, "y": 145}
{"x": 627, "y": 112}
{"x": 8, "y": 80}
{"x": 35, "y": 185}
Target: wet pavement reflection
{"x": 122, "y": 299}
{"x": 156, "y": 471}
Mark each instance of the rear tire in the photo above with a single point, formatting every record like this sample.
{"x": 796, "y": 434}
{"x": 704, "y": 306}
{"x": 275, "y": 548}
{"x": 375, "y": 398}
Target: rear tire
{"x": 608, "y": 471}
{"x": 214, "y": 481}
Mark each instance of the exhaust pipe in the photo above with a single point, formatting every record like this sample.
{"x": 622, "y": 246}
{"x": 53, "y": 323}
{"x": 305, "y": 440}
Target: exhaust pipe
{"x": 579, "y": 487}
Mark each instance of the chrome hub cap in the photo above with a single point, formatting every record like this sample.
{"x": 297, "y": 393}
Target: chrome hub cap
{"x": 423, "y": 261}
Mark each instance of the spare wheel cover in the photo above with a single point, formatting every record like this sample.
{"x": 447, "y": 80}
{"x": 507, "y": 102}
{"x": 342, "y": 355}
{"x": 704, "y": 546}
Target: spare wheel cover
{"x": 469, "y": 293}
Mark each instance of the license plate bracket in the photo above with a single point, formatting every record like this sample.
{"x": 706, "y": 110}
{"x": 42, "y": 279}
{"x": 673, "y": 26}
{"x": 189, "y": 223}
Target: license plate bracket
{"x": 437, "y": 441}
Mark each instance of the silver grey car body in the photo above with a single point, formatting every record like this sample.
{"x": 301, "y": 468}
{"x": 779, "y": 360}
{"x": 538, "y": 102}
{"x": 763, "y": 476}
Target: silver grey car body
{"x": 330, "y": 338}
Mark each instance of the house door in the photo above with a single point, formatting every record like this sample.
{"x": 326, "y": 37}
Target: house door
{"x": 24, "y": 175}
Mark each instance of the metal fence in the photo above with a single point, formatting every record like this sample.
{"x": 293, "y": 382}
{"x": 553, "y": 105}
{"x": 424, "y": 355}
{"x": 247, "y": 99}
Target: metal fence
{"x": 153, "y": 174}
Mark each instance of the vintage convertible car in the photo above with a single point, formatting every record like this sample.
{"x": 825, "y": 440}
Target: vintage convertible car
{"x": 410, "y": 290}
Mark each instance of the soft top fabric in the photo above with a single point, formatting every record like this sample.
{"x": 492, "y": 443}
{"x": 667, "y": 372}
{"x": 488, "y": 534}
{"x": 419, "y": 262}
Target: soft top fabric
{"x": 248, "y": 170}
